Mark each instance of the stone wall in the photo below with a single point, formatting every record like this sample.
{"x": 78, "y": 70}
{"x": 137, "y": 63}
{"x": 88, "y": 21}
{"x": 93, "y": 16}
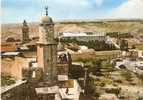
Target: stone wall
{"x": 22, "y": 90}
{"x": 14, "y": 92}
{"x": 13, "y": 66}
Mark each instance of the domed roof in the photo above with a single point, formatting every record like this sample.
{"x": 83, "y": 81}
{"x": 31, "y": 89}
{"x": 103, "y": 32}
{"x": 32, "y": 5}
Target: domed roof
{"x": 47, "y": 20}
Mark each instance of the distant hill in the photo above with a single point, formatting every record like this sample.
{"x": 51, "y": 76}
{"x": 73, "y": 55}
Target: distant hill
{"x": 134, "y": 26}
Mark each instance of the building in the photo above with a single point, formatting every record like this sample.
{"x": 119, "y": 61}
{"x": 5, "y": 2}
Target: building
{"x": 56, "y": 68}
{"x": 84, "y": 36}
{"x": 85, "y": 49}
{"x": 63, "y": 65}
{"x": 133, "y": 53}
{"x": 134, "y": 65}
{"x": 70, "y": 90}
{"x": 25, "y": 32}
{"x": 47, "y": 73}
{"x": 140, "y": 54}
{"x": 9, "y": 47}
{"x": 12, "y": 64}
{"x": 47, "y": 49}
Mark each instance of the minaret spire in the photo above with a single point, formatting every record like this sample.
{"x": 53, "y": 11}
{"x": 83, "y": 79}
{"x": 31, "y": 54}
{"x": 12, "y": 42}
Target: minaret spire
{"x": 25, "y": 32}
{"x": 46, "y": 8}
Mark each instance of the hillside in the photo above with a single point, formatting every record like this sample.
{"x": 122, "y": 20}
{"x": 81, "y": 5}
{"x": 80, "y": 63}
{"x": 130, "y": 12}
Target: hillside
{"x": 134, "y": 26}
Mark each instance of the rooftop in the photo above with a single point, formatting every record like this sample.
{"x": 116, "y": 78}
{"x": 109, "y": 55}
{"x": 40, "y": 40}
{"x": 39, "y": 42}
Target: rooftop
{"x": 77, "y": 34}
{"x": 9, "y": 47}
{"x": 10, "y": 53}
{"x": 47, "y": 90}
{"x": 71, "y": 91}
{"x": 67, "y": 84}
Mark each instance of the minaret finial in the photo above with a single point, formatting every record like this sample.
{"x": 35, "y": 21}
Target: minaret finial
{"x": 46, "y": 8}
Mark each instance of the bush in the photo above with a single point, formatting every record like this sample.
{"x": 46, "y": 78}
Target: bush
{"x": 140, "y": 98}
{"x": 115, "y": 91}
{"x": 96, "y": 95}
{"x": 114, "y": 84}
{"x": 10, "y": 39}
{"x": 119, "y": 35}
{"x": 96, "y": 69}
{"x": 118, "y": 81}
{"x": 127, "y": 75}
{"x": 7, "y": 80}
{"x": 102, "y": 84}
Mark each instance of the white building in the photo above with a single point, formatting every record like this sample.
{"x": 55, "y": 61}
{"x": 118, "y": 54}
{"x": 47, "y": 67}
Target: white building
{"x": 71, "y": 90}
{"x": 134, "y": 66}
{"x": 84, "y": 36}
{"x": 140, "y": 53}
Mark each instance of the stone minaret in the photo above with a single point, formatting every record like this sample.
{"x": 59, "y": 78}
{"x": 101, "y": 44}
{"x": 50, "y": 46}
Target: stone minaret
{"x": 47, "y": 49}
{"x": 25, "y": 32}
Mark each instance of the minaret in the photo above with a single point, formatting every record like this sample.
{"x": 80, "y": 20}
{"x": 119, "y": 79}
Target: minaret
{"x": 47, "y": 49}
{"x": 25, "y": 32}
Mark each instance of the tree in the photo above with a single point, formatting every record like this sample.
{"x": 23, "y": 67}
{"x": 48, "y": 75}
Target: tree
{"x": 124, "y": 45}
{"x": 116, "y": 91}
{"x": 10, "y": 39}
{"x": 97, "y": 67}
{"x": 7, "y": 80}
{"x": 127, "y": 75}
{"x": 88, "y": 64}
{"x": 108, "y": 68}
{"x": 133, "y": 47}
{"x": 139, "y": 98}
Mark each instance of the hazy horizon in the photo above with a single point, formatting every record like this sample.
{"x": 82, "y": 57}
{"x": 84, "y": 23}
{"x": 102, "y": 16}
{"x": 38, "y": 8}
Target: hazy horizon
{"x": 79, "y": 20}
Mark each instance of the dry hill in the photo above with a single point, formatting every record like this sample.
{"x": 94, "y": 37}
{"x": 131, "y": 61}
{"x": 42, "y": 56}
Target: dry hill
{"x": 14, "y": 30}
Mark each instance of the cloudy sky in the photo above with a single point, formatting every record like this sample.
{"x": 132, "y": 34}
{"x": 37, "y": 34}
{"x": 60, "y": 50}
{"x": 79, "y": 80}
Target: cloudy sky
{"x": 14, "y": 11}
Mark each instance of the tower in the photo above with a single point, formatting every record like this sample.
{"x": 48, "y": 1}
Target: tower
{"x": 25, "y": 32}
{"x": 47, "y": 49}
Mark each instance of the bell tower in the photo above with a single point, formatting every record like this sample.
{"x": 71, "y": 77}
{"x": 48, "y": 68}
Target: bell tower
{"x": 25, "y": 32}
{"x": 47, "y": 49}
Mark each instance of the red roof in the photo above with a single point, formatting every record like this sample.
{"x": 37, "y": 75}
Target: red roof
{"x": 8, "y": 47}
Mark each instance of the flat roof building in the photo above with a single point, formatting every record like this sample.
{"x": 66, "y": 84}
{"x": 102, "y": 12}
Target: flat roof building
{"x": 100, "y": 36}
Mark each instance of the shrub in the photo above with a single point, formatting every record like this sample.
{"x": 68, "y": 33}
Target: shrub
{"x": 119, "y": 35}
{"x": 10, "y": 39}
{"x": 7, "y": 80}
{"x": 118, "y": 81}
{"x": 140, "y": 98}
{"x": 127, "y": 75}
{"x": 115, "y": 91}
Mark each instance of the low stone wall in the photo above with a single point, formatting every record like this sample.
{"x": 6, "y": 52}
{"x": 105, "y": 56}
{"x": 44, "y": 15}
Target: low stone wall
{"x": 13, "y": 66}
{"x": 14, "y": 92}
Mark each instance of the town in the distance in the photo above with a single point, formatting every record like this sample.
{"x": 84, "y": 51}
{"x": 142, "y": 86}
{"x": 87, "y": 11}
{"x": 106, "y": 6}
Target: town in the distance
{"x": 72, "y": 60}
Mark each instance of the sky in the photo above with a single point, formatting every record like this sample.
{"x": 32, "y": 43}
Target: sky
{"x": 15, "y": 11}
